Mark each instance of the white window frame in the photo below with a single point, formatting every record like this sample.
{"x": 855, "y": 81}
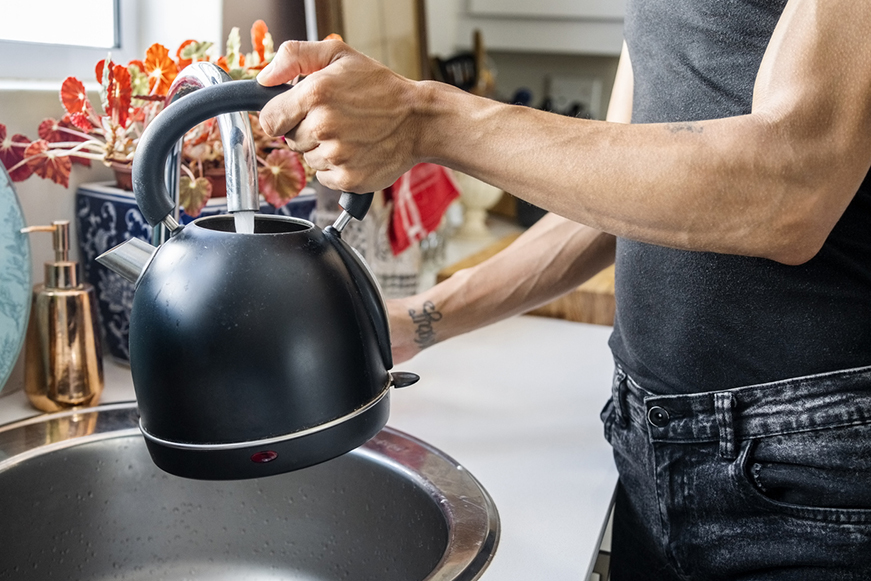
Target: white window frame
{"x": 25, "y": 61}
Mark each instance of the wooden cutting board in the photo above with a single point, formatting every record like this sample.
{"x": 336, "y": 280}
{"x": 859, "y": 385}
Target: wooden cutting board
{"x": 592, "y": 302}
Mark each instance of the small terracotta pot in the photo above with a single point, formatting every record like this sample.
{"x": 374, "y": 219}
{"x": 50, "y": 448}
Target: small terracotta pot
{"x": 123, "y": 175}
{"x": 124, "y": 179}
{"x": 218, "y": 179}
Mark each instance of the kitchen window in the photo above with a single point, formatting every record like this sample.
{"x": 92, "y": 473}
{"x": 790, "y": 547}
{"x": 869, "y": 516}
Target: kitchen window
{"x": 53, "y": 39}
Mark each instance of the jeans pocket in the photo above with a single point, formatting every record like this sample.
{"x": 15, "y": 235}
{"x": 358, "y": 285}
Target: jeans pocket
{"x": 607, "y": 417}
{"x": 824, "y": 474}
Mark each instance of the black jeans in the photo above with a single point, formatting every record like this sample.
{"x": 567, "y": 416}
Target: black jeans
{"x": 763, "y": 482}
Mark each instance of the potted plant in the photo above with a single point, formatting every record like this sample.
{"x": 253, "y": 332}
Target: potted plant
{"x": 131, "y": 96}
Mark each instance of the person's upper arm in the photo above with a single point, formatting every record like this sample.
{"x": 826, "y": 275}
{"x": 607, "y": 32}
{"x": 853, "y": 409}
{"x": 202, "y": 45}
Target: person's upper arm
{"x": 813, "y": 90}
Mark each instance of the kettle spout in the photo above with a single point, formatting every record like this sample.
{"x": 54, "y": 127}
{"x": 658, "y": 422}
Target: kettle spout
{"x": 129, "y": 259}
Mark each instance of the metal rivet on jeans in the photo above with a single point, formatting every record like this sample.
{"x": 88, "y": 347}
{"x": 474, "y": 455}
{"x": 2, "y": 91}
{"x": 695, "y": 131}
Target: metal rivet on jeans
{"x": 658, "y": 416}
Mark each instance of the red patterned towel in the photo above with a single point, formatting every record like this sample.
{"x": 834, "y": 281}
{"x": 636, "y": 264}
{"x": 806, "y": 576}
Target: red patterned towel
{"x": 420, "y": 198}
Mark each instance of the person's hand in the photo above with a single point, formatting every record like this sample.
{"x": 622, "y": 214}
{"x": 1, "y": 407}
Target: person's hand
{"x": 350, "y": 117}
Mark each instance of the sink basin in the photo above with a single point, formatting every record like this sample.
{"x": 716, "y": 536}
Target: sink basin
{"x": 80, "y": 499}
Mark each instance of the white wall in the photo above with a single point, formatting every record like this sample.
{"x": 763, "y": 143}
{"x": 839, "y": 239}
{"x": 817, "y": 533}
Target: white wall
{"x": 42, "y": 201}
{"x": 171, "y": 22}
{"x": 442, "y": 23}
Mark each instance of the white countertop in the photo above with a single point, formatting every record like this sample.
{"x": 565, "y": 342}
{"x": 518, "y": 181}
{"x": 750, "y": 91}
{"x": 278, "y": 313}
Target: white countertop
{"x": 518, "y": 405}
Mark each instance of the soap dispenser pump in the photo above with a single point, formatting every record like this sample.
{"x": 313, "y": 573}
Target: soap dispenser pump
{"x": 63, "y": 356}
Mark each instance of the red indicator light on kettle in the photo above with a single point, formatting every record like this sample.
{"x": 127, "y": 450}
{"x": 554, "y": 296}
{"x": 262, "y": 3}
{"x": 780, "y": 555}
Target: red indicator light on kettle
{"x": 264, "y": 456}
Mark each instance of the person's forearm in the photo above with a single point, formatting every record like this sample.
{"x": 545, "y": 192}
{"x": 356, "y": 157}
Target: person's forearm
{"x": 548, "y": 260}
{"x": 732, "y": 185}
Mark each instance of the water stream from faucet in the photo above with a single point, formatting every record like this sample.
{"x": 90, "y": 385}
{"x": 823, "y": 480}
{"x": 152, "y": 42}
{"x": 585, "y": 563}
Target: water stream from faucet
{"x": 244, "y": 221}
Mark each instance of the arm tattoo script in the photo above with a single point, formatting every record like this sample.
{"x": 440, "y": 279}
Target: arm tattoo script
{"x": 424, "y": 319}
{"x": 685, "y": 128}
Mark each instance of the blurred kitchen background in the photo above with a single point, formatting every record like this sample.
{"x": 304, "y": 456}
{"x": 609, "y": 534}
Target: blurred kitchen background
{"x": 558, "y": 55}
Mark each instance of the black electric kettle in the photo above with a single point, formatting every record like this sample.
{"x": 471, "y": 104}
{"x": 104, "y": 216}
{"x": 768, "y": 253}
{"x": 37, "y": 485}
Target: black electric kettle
{"x": 252, "y": 353}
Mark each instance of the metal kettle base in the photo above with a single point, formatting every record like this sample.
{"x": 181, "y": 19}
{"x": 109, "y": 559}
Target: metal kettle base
{"x": 239, "y": 461}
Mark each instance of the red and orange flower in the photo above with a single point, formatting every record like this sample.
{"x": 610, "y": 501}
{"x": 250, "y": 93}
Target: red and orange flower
{"x": 160, "y": 68}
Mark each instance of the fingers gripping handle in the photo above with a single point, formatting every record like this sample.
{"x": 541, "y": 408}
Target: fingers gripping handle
{"x": 172, "y": 123}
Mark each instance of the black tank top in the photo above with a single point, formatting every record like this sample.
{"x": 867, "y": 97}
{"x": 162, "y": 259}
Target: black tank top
{"x": 698, "y": 321}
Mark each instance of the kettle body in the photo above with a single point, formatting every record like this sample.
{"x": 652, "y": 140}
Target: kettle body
{"x": 252, "y": 353}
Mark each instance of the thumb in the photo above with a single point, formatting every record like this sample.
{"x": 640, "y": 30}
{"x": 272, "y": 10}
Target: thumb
{"x": 297, "y": 57}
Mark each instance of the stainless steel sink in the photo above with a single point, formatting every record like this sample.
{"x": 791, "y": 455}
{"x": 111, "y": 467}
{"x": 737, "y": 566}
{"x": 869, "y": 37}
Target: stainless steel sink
{"x": 80, "y": 499}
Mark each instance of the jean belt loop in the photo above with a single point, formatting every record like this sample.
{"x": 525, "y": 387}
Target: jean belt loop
{"x": 724, "y": 403}
{"x": 618, "y": 396}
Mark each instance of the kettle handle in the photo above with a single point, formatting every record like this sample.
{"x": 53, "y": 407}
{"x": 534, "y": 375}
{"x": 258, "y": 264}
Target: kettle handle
{"x": 173, "y": 122}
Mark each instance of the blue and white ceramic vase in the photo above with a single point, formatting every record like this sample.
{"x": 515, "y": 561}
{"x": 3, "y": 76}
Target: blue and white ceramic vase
{"x": 107, "y": 216}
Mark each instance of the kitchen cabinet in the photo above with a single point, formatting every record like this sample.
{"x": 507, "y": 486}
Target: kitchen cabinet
{"x": 593, "y": 27}
{"x": 572, "y": 9}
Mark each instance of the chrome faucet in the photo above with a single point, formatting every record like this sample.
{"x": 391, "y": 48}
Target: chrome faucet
{"x": 240, "y": 155}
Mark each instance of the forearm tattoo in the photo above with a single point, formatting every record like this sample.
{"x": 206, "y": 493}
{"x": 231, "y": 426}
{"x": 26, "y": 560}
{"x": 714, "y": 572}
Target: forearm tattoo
{"x": 423, "y": 320}
{"x": 685, "y": 128}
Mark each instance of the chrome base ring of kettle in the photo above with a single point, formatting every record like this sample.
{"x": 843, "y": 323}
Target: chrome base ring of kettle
{"x": 270, "y": 456}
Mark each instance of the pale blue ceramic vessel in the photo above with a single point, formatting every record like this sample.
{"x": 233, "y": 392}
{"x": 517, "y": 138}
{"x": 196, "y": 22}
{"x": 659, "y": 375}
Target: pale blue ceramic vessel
{"x": 15, "y": 278}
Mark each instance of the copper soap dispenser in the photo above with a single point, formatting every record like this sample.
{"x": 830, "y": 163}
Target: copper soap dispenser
{"x": 63, "y": 357}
